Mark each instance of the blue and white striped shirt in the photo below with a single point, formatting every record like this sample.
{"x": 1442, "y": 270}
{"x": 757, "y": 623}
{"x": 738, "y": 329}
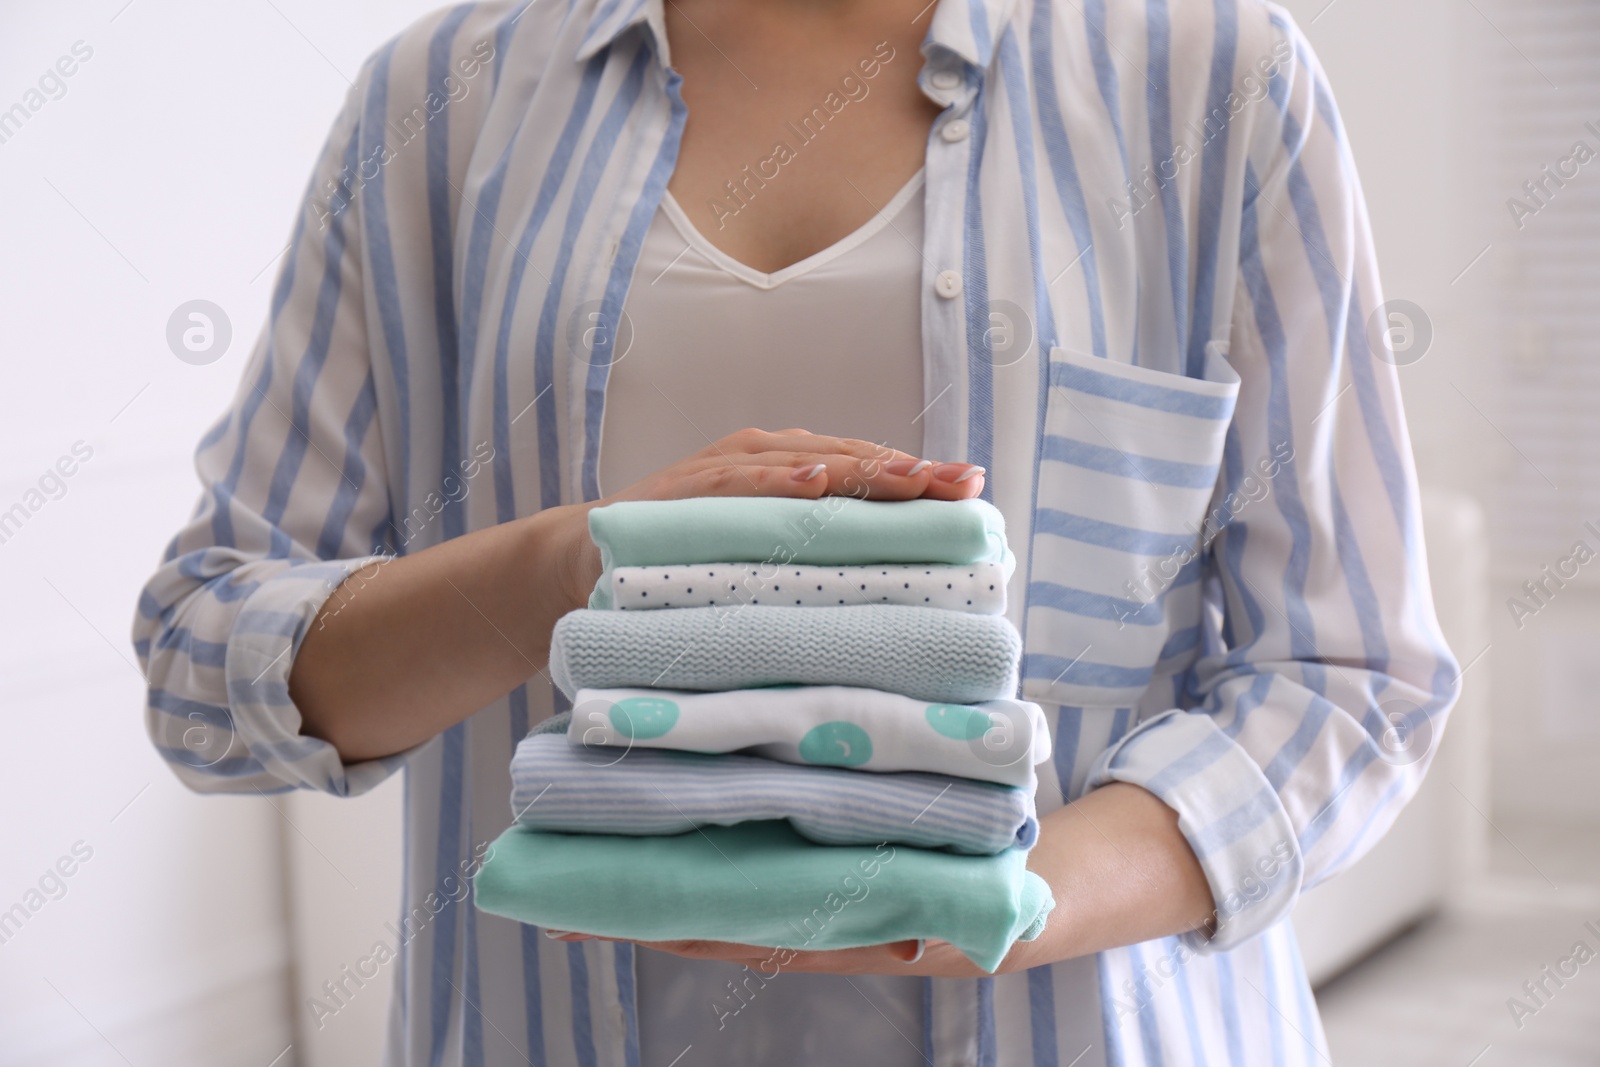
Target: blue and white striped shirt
{"x": 1201, "y": 458}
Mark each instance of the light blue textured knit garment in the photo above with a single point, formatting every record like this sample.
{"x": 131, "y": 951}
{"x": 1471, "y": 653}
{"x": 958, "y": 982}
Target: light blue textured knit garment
{"x": 641, "y": 791}
{"x": 921, "y": 652}
{"x": 774, "y": 531}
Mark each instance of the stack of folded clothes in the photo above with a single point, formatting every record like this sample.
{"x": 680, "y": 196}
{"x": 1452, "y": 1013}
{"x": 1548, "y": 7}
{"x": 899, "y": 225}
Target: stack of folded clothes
{"x": 793, "y": 725}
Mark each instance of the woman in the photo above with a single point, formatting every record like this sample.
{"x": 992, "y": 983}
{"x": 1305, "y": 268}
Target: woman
{"x": 1106, "y": 266}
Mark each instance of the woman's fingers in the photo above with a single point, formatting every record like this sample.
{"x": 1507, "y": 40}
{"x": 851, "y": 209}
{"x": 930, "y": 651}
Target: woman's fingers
{"x": 738, "y": 477}
{"x": 797, "y": 463}
{"x": 943, "y": 481}
{"x": 752, "y": 440}
{"x": 898, "y": 957}
{"x": 901, "y": 478}
{"x": 853, "y": 467}
{"x": 954, "y": 481}
{"x": 844, "y": 474}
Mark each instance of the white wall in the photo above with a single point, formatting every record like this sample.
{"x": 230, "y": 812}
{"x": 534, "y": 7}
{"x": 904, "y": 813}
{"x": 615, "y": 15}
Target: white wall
{"x": 167, "y": 171}
{"x": 337, "y": 914}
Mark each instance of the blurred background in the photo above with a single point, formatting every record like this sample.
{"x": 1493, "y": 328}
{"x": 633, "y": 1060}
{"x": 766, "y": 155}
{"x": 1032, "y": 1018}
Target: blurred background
{"x": 165, "y": 169}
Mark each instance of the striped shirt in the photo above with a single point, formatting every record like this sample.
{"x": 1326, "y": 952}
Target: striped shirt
{"x": 1148, "y": 284}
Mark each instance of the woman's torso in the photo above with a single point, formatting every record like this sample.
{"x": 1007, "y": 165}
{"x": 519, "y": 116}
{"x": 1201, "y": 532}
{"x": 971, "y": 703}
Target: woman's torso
{"x": 491, "y": 321}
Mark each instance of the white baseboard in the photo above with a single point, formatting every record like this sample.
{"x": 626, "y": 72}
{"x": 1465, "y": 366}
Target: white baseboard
{"x": 226, "y": 1009}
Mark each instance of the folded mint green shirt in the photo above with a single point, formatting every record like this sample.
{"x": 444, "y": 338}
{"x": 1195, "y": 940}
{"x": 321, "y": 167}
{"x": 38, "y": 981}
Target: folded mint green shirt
{"x": 780, "y": 530}
{"x": 760, "y": 883}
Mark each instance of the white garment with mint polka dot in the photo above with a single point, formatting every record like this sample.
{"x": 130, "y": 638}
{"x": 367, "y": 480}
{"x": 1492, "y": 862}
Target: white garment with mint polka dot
{"x": 997, "y": 741}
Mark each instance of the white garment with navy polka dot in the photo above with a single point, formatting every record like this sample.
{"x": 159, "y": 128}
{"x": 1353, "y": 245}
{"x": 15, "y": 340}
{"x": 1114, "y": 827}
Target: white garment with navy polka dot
{"x": 978, "y": 588}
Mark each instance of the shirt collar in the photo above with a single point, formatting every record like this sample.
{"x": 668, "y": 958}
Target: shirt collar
{"x": 968, "y": 28}
{"x": 613, "y": 18}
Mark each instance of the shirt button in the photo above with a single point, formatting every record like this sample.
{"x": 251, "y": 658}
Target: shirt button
{"x": 945, "y": 79}
{"x": 955, "y": 130}
{"x": 948, "y": 284}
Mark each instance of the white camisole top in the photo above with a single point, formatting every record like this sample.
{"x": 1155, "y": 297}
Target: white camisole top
{"x": 831, "y": 344}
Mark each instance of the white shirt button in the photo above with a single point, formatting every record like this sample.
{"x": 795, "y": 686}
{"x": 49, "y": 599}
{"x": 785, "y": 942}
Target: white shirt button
{"x": 945, "y": 79}
{"x": 948, "y": 284}
{"x": 955, "y": 130}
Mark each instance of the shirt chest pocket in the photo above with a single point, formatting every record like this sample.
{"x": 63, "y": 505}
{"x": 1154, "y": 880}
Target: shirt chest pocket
{"x": 1127, "y": 469}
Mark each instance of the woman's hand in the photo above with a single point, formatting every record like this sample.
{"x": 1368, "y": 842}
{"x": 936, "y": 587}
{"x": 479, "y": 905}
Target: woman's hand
{"x": 415, "y": 644}
{"x": 789, "y": 463}
{"x": 798, "y": 463}
{"x": 938, "y": 960}
{"x": 1118, "y": 866}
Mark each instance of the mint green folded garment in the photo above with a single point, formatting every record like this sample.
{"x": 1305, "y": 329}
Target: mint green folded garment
{"x": 781, "y": 530}
{"x": 760, "y": 883}
{"x": 928, "y": 653}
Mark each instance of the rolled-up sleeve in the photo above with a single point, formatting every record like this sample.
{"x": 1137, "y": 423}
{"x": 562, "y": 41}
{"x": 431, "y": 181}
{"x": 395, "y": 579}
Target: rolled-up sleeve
{"x": 1324, "y": 683}
{"x": 294, "y": 500}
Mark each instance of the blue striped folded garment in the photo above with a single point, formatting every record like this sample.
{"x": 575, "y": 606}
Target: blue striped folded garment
{"x": 557, "y": 786}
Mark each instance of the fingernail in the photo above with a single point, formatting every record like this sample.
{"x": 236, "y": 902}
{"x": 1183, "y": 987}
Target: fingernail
{"x": 956, "y": 473}
{"x": 556, "y": 935}
{"x": 922, "y": 946}
{"x": 908, "y": 467}
{"x": 805, "y": 474}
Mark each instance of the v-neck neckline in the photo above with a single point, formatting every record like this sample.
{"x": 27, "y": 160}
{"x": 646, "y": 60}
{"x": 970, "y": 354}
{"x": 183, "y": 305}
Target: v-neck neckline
{"x": 763, "y": 280}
